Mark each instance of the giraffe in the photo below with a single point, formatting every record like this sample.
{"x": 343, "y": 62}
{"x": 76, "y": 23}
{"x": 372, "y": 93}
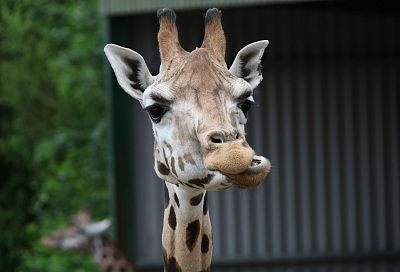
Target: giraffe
{"x": 84, "y": 234}
{"x": 198, "y": 109}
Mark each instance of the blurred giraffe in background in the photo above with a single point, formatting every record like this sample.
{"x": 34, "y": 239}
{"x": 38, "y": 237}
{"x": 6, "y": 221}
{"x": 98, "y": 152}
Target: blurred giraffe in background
{"x": 85, "y": 235}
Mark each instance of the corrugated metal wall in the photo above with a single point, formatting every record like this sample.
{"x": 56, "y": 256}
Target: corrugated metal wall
{"x": 328, "y": 117}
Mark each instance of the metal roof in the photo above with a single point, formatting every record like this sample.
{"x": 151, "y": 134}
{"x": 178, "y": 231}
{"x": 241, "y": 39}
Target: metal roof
{"x": 121, "y": 7}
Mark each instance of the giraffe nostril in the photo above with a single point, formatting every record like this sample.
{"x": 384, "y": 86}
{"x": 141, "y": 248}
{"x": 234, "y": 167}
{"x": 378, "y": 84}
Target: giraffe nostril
{"x": 223, "y": 136}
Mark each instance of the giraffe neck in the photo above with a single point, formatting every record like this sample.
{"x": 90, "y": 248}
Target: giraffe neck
{"x": 108, "y": 257}
{"x": 187, "y": 236}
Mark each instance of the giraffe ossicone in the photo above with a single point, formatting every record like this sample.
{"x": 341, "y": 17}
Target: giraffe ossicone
{"x": 198, "y": 109}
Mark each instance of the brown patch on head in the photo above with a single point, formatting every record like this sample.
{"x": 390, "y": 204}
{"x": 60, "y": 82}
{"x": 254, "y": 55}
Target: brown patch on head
{"x": 201, "y": 181}
{"x": 157, "y": 154}
{"x": 162, "y": 169}
{"x": 165, "y": 156}
{"x": 173, "y": 166}
{"x": 189, "y": 159}
{"x": 169, "y": 147}
{"x": 181, "y": 164}
{"x": 187, "y": 79}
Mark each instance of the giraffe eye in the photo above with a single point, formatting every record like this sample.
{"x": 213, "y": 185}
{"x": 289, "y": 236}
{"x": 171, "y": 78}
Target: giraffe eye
{"x": 245, "y": 106}
{"x": 156, "y": 112}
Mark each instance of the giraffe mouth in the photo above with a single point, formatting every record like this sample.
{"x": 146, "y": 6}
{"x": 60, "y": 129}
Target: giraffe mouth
{"x": 256, "y": 172}
{"x": 257, "y": 164}
{"x": 237, "y": 161}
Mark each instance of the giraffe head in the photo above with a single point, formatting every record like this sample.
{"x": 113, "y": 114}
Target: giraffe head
{"x": 78, "y": 234}
{"x": 198, "y": 107}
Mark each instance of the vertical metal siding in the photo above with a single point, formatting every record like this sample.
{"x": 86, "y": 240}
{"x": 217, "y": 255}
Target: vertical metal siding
{"x": 119, "y": 7}
{"x": 327, "y": 116}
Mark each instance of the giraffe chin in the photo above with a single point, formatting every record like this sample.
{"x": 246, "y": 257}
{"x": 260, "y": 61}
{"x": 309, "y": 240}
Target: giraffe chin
{"x": 257, "y": 171}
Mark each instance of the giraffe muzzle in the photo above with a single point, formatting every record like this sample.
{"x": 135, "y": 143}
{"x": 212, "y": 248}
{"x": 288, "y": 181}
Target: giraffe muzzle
{"x": 257, "y": 171}
{"x": 238, "y": 162}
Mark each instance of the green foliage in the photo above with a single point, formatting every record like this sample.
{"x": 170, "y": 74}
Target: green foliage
{"x": 52, "y": 128}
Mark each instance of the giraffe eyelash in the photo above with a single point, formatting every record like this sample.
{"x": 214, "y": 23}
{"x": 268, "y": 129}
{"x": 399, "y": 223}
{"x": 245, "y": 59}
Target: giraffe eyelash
{"x": 245, "y": 106}
{"x": 156, "y": 112}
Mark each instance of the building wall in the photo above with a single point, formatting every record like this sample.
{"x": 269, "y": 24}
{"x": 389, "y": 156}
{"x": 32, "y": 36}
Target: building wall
{"x": 327, "y": 116}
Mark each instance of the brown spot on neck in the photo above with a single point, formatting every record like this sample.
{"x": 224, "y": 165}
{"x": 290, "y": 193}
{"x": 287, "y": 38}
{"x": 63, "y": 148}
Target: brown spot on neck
{"x": 172, "y": 218}
{"x": 177, "y": 200}
{"x": 205, "y": 244}
{"x": 172, "y": 265}
{"x": 192, "y": 233}
{"x": 166, "y": 197}
{"x": 205, "y": 204}
{"x": 194, "y": 201}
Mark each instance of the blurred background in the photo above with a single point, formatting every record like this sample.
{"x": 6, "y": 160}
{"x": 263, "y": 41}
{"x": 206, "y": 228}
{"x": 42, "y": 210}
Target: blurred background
{"x": 327, "y": 116}
{"x": 53, "y": 128}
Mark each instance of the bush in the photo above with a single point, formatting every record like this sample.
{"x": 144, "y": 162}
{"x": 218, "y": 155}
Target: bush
{"x": 52, "y": 128}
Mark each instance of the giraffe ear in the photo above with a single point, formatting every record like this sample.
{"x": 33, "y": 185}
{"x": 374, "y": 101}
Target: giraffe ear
{"x": 247, "y": 64}
{"x": 130, "y": 69}
{"x": 97, "y": 228}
